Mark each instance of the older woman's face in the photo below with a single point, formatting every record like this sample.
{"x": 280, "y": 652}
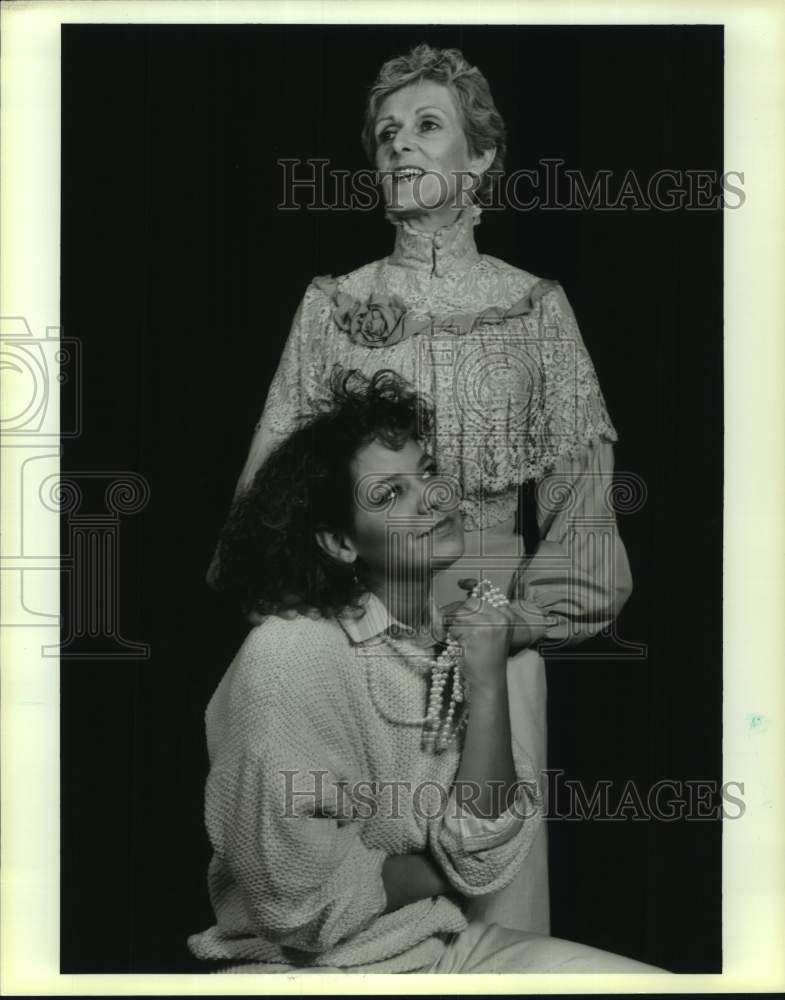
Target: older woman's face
{"x": 422, "y": 152}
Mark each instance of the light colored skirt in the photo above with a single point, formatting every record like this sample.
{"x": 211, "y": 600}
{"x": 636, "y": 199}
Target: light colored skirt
{"x": 484, "y": 948}
{"x": 495, "y": 554}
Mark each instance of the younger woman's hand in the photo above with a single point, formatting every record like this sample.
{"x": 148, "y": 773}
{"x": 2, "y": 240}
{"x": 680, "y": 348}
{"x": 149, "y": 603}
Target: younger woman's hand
{"x": 484, "y": 632}
{"x": 529, "y": 624}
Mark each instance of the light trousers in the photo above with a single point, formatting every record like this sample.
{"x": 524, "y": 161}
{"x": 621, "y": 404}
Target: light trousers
{"x": 492, "y": 948}
{"x": 485, "y": 948}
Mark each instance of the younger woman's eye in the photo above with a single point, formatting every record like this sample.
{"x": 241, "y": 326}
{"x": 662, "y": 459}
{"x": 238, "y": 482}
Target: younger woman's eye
{"x": 429, "y": 124}
{"x": 383, "y": 494}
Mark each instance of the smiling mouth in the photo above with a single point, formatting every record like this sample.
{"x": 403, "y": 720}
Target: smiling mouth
{"x": 407, "y": 173}
{"x": 443, "y": 523}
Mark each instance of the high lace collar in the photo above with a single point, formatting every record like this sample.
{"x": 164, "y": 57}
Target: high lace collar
{"x": 447, "y": 249}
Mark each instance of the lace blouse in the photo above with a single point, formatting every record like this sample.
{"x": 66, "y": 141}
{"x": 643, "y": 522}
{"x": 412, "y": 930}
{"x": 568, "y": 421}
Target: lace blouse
{"x": 499, "y": 354}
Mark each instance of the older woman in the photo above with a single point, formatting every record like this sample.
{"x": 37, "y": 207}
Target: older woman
{"x": 499, "y": 353}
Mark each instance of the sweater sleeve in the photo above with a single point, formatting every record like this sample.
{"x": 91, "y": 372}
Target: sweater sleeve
{"x": 275, "y": 812}
{"x": 478, "y": 832}
{"x": 481, "y": 857}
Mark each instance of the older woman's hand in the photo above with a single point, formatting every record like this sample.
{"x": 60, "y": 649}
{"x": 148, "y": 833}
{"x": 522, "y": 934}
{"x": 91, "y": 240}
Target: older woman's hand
{"x": 529, "y": 625}
{"x": 526, "y": 625}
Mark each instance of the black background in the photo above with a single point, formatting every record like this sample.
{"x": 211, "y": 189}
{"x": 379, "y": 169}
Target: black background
{"x": 180, "y": 278}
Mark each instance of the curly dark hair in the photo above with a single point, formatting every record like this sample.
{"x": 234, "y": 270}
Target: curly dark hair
{"x": 268, "y": 554}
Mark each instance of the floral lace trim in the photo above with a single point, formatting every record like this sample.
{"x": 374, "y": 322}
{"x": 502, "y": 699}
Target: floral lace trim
{"x": 487, "y": 512}
{"x": 384, "y": 320}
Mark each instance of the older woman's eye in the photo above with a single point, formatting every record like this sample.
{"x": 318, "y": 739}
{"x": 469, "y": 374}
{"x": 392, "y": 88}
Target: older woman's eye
{"x": 429, "y": 124}
{"x": 386, "y": 135}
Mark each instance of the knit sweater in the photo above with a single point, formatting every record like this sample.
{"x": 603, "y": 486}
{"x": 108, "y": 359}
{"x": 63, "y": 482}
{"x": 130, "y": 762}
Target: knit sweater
{"x": 317, "y": 774}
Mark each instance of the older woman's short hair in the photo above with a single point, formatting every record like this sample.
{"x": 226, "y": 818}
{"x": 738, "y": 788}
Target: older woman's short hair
{"x": 483, "y": 126}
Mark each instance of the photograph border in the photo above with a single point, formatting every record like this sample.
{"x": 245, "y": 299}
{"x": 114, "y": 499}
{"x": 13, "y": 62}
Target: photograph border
{"x": 754, "y": 519}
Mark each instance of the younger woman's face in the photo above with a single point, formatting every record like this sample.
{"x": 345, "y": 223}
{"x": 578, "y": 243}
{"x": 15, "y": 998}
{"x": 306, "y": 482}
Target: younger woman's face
{"x": 422, "y": 152}
{"x": 406, "y": 517}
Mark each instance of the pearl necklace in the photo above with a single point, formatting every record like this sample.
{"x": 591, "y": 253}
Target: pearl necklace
{"x": 439, "y": 731}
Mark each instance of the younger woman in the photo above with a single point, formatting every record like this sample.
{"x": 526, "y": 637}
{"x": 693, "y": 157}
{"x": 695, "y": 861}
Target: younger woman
{"x": 364, "y": 782}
